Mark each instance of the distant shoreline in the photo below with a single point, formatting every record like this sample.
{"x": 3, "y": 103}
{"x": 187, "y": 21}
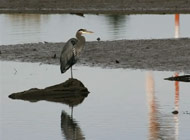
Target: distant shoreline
{"x": 96, "y": 6}
{"x": 78, "y": 11}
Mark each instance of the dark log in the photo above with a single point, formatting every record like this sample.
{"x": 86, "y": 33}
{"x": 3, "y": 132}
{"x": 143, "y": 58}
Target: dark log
{"x": 72, "y": 92}
{"x": 183, "y": 78}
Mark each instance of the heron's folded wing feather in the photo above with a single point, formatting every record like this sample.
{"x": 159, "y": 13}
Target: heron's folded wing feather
{"x": 67, "y": 56}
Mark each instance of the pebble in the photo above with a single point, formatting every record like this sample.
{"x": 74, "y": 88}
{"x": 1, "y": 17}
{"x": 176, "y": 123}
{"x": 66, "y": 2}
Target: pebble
{"x": 175, "y": 112}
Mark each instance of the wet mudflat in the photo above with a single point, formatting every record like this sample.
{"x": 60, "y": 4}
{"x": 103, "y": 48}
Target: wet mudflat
{"x": 156, "y": 54}
{"x": 122, "y": 104}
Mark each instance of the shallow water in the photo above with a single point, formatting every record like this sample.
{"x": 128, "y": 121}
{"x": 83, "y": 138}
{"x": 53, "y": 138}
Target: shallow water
{"x": 122, "y": 104}
{"x": 27, "y": 28}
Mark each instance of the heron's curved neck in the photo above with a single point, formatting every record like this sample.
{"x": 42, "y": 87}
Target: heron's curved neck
{"x": 80, "y": 38}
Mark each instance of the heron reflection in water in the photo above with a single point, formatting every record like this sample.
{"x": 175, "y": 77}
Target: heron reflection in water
{"x": 70, "y": 128}
{"x": 72, "y": 50}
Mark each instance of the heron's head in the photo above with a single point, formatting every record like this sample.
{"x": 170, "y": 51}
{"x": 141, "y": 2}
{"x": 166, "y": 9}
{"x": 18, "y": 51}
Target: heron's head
{"x": 84, "y": 31}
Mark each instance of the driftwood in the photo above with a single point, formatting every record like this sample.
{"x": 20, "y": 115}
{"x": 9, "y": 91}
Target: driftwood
{"x": 72, "y": 92}
{"x": 183, "y": 78}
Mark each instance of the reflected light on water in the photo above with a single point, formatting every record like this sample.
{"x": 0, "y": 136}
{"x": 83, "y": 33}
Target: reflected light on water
{"x": 161, "y": 126}
{"x": 119, "y": 102}
{"x": 31, "y": 28}
{"x": 152, "y": 105}
{"x": 176, "y": 117}
{"x": 117, "y": 25}
{"x": 22, "y": 27}
{"x": 176, "y": 93}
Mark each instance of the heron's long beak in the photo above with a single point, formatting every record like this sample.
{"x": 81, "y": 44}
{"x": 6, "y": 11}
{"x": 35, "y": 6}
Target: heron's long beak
{"x": 88, "y": 32}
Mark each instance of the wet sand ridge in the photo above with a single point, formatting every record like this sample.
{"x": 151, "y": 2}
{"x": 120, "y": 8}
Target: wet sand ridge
{"x": 156, "y": 54}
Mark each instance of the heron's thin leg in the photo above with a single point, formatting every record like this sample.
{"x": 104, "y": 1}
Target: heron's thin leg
{"x": 71, "y": 72}
{"x": 72, "y": 112}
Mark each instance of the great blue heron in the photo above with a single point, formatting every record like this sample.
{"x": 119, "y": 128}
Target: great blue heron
{"x": 72, "y": 50}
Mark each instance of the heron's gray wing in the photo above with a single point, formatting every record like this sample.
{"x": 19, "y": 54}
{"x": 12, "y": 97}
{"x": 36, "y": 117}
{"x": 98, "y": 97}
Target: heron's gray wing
{"x": 67, "y": 58}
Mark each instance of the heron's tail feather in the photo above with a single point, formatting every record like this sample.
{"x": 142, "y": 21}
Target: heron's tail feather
{"x": 65, "y": 65}
{"x": 64, "y": 69}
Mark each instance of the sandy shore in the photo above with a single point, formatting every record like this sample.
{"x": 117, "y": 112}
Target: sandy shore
{"x": 157, "y": 54}
{"x": 95, "y": 6}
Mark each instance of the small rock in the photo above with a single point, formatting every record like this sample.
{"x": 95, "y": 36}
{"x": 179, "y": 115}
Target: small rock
{"x": 54, "y": 56}
{"x": 98, "y": 39}
{"x": 175, "y": 112}
{"x": 0, "y": 52}
{"x": 78, "y": 14}
{"x": 117, "y": 61}
{"x": 147, "y": 47}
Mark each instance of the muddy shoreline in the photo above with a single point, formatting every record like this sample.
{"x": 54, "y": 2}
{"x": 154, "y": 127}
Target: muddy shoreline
{"x": 96, "y": 11}
{"x": 96, "y": 6}
{"x": 155, "y": 54}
